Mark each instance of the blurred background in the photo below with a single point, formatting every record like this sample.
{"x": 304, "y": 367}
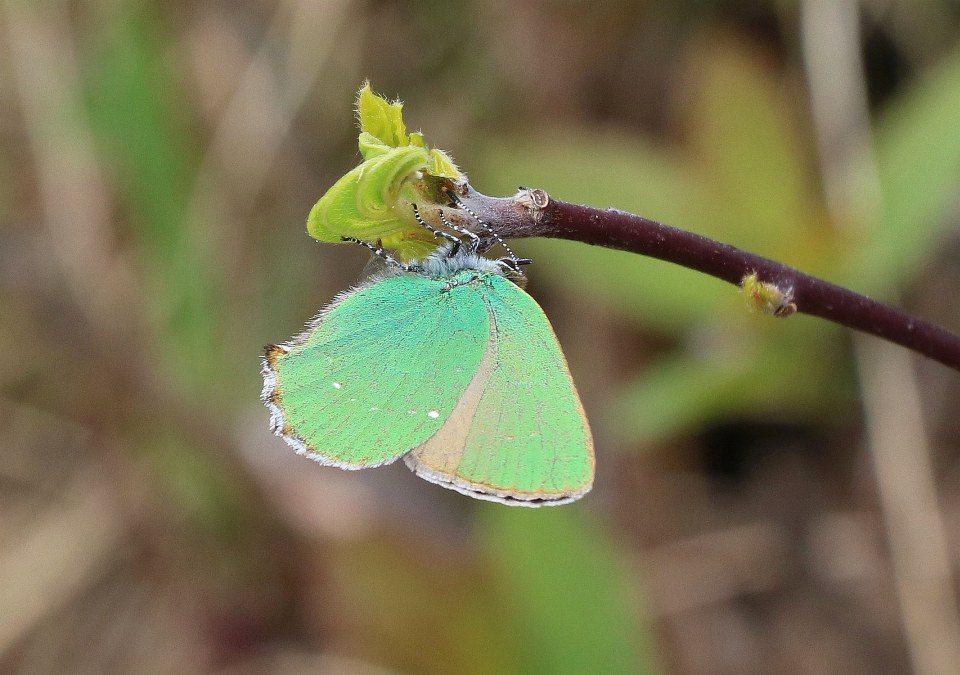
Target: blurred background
{"x": 771, "y": 496}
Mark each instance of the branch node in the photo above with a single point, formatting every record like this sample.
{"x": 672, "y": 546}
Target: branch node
{"x": 766, "y": 297}
{"x": 534, "y": 200}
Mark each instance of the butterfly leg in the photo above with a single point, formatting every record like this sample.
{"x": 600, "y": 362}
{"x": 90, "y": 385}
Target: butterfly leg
{"x": 474, "y": 239}
{"x": 379, "y": 251}
{"x": 512, "y": 261}
{"x": 438, "y": 233}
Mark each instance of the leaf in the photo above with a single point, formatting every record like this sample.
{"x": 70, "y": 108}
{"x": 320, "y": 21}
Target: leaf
{"x": 374, "y": 201}
{"x": 364, "y": 202}
{"x": 381, "y": 119}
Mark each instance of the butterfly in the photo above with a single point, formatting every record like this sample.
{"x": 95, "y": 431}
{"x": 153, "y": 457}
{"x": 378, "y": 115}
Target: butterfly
{"x": 445, "y": 362}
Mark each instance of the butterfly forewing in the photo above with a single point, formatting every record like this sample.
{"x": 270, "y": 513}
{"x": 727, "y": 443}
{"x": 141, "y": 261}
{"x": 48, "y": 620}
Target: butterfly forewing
{"x": 379, "y": 371}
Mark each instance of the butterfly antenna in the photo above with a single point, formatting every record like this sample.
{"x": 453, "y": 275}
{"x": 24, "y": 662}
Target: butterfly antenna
{"x": 381, "y": 253}
{"x": 516, "y": 262}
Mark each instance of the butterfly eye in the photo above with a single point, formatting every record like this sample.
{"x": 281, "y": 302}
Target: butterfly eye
{"x": 514, "y": 264}
{"x": 511, "y": 268}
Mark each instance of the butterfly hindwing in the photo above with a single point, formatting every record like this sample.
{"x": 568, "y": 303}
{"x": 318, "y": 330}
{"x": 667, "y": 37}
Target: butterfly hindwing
{"x": 518, "y": 435}
{"x": 378, "y": 372}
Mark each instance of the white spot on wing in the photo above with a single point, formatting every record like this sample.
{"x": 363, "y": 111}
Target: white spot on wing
{"x": 337, "y": 385}
{"x": 433, "y": 414}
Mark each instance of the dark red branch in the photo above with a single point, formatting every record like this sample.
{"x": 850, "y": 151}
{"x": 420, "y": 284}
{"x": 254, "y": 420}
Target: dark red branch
{"x": 532, "y": 214}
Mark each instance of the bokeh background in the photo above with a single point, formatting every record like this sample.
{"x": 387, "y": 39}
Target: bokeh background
{"x": 771, "y": 496}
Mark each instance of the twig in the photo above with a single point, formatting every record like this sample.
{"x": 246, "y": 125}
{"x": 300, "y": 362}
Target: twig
{"x": 531, "y": 213}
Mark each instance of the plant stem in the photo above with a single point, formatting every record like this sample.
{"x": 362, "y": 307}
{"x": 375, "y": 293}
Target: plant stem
{"x": 531, "y": 213}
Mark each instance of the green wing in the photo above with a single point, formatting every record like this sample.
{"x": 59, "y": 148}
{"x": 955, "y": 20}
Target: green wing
{"x": 518, "y": 434}
{"x": 378, "y": 372}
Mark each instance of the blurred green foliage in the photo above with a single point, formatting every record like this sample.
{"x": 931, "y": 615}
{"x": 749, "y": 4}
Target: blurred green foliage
{"x": 550, "y": 594}
{"x": 139, "y": 112}
{"x": 566, "y": 592}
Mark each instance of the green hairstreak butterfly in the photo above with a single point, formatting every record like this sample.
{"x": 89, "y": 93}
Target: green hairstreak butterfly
{"x": 446, "y": 363}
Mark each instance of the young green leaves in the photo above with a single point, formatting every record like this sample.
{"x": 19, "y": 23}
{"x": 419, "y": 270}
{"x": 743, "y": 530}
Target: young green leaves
{"x": 373, "y": 202}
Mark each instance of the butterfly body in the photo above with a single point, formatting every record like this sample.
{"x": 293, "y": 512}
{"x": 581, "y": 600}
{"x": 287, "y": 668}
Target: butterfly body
{"x": 448, "y": 364}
